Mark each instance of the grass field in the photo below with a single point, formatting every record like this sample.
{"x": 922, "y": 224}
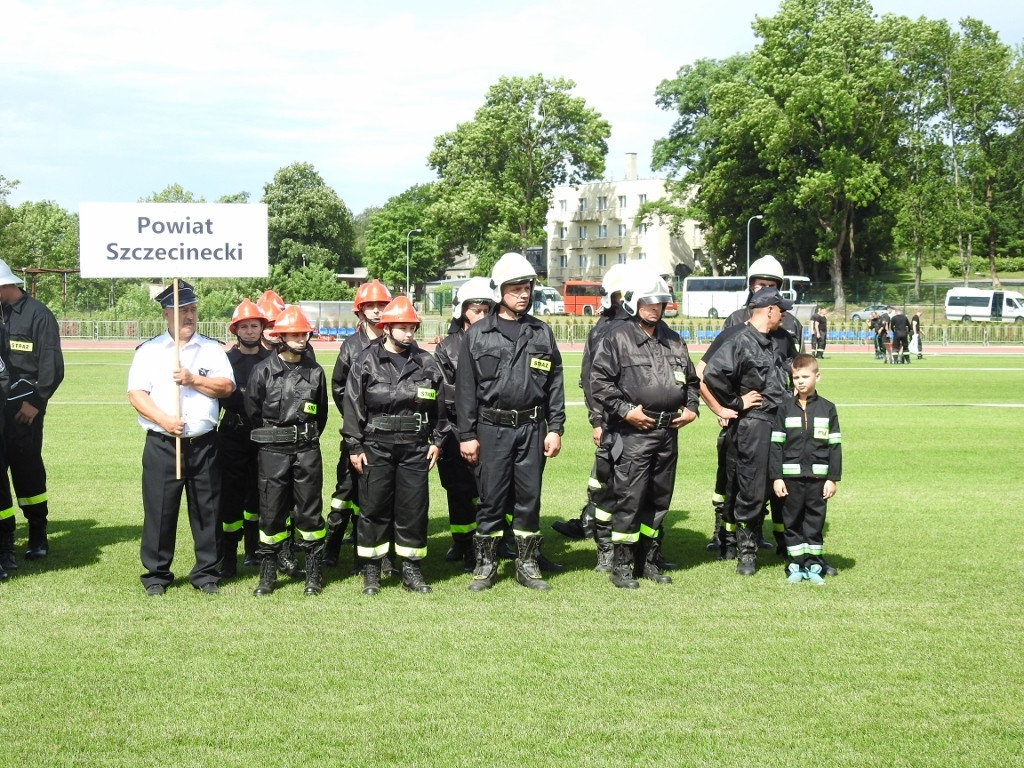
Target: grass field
{"x": 910, "y": 657}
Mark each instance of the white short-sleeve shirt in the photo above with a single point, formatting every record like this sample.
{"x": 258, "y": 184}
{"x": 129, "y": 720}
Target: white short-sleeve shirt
{"x": 152, "y": 371}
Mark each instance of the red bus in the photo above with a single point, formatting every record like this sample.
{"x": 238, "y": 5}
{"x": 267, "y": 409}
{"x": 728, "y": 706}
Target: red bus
{"x": 582, "y": 297}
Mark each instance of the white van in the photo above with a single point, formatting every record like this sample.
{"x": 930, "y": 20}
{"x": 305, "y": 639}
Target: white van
{"x": 971, "y": 304}
{"x": 547, "y": 301}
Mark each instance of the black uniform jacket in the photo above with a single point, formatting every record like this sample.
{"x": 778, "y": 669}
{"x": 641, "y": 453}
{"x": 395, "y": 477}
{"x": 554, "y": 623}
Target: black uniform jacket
{"x": 495, "y": 372}
{"x": 610, "y": 318}
{"x": 788, "y": 337}
{"x": 806, "y": 443}
{"x": 631, "y": 368}
{"x": 234, "y": 418}
{"x": 384, "y": 384}
{"x": 447, "y": 356}
{"x": 281, "y": 394}
{"x": 746, "y": 362}
{"x": 33, "y": 344}
{"x": 350, "y": 348}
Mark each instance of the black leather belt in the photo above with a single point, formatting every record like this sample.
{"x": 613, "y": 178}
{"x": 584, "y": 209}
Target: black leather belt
{"x": 417, "y": 422}
{"x": 500, "y": 418}
{"x": 292, "y": 434}
{"x": 191, "y": 440}
{"x": 662, "y": 419}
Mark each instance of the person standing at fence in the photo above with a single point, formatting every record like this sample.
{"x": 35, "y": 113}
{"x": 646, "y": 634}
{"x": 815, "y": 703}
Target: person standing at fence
{"x": 240, "y": 505}
{"x": 286, "y": 402}
{"x": 916, "y": 335}
{"x": 819, "y": 332}
{"x": 370, "y": 301}
{"x": 473, "y": 302}
{"x": 510, "y": 401}
{"x": 36, "y": 370}
{"x": 160, "y": 390}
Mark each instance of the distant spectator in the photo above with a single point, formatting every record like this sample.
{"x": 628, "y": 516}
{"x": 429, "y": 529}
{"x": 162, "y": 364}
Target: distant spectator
{"x": 900, "y": 328}
{"x": 916, "y": 334}
{"x": 819, "y": 332}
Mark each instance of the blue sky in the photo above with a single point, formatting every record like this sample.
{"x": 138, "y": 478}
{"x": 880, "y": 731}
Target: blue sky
{"x": 110, "y": 101}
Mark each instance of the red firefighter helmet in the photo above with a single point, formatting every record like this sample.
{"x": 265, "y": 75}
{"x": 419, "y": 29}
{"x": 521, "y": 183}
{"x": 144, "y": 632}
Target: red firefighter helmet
{"x": 400, "y": 310}
{"x": 271, "y": 305}
{"x": 291, "y": 321}
{"x": 370, "y": 292}
{"x": 247, "y": 310}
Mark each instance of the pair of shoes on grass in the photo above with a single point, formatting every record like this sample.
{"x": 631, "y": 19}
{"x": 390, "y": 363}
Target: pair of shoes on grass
{"x": 795, "y": 574}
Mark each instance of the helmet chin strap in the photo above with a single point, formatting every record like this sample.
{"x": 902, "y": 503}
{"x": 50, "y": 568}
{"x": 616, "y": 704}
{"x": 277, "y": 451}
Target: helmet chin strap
{"x": 248, "y": 344}
{"x": 298, "y": 350}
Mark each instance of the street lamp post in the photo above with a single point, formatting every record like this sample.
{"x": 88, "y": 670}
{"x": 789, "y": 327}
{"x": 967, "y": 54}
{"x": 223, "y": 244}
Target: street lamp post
{"x": 756, "y": 216}
{"x": 407, "y": 236}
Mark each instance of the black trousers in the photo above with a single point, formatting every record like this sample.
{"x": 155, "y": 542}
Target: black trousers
{"x": 644, "y": 477}
{"x": 23, "y": 447}
{"x": 803, "y": 515}
{"x": 161, "y": 503}
{"x": 395, "y": 496}
{"x": 747, "y": 467}
{"x": 459, "y": 483}
{"x": 239, "y": 473}
{"x": 292, "y": 478}
{"x": 509, "y": 477}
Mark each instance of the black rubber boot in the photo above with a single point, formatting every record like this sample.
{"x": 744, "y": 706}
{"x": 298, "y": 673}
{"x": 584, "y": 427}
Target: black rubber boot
{"x": 527, "y": 571}
{"x": 746, "y": 545}
{"x": 622, "y": 569}
{"x": 38, "y": 545}
{"x": 412, "y": 579}
{"x": 314, "y": 573}
{"x": 727, "y": 537}
{"x": 507, "y": 547}
{"x": 649, "y": 567}
{"x": 268, "y": 575}
{"x": 229, "y": 555}
{"x": 486, "y": 570}
{"x": 337, "y": 522}
{"x": 7, "y": 559}
{"x": 715, "y": 544}
{"x": 461, "y": 550}
{"x": 548, "y": 566}
{"x": 659, "y": 557}
{"x": 371, "y": 577}
{"x": 605, "y": 555}
{"x": 286, "y": 561}
{"x": 578, "y": 528}
{"x": 250, "y": 543}
{"x": 3, "y": 574}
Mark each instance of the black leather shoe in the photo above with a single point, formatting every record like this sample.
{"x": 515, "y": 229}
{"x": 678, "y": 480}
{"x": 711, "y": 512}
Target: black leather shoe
{"x": 209, "y": 588}
{"x": 155, "y": 590}
{"x": 828, "y": 570}
{"x": 571, "y": 529}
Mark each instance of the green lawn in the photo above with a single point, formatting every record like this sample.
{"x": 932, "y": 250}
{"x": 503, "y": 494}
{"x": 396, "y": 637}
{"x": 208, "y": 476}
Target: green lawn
{"x": 910, "y": 657}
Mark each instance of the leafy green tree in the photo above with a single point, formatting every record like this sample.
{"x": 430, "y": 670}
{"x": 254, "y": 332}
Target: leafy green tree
{"x": 496, "y": 172}
{"x": 306, "y": 217}
{"x": 386, "y": 240}
{"x": 172, "y": 193}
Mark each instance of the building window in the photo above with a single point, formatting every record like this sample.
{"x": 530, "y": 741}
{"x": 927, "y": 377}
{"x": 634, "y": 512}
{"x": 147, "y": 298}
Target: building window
{"x": 602, "y": 259}
{"x": 581, "y": 261}
{"x": 582, "y": 232}
{"x": 641, "y": 256}
{"x": 641, "y": 199}
{"x": 602, "y": 203}
{"x": 562, "y": 205}
{"x": 583, "y": 204}
{"x": 563, "y": 233}
{"x": 602, "y": 230}
{"x": 563, "y": 261}
{"x": 641, "y": 229}
{"x": 622, "y": 230}
{"x": 622, "y": 201}
{"x": 622, "y": 258}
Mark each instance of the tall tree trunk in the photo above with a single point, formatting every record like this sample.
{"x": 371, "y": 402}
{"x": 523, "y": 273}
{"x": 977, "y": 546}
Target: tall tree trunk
{"x": 996, "y": 282}
{"x": 836, "y": 267}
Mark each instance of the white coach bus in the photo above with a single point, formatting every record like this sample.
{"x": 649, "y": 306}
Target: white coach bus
{"x": 716, "y": 297}
{"x": 971, "y": 304}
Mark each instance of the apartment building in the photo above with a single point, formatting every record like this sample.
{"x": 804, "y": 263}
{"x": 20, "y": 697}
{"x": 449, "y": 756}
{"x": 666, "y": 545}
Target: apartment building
{"x": 591, "y": 226}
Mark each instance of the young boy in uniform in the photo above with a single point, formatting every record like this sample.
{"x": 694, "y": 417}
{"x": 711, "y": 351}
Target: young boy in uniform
{"x": 805, "y": 463}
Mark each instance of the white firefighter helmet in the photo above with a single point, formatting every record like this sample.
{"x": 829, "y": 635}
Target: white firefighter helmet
{"x": 511, "y": 268}
{"x": 767, "y": 267}
{"x": 614, "y": 281}
{"x": 475, "y": 289}
{"x": 645, "y": 288}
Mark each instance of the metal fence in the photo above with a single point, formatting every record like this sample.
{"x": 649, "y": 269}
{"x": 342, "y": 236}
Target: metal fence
{"x": 694, "y": 332}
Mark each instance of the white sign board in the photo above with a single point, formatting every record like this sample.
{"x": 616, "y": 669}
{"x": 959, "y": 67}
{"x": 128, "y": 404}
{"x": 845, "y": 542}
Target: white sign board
{"x": 164, "y": 240}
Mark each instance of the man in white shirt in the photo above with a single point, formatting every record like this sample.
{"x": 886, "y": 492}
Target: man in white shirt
{"x": 179, "y": 402}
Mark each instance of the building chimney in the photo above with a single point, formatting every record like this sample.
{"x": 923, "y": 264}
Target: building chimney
{"x": 631, "y": 166}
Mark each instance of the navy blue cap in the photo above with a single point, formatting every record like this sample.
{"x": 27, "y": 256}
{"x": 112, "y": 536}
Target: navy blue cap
{"x": 186, "y": 295}
{"x": 769, "y": 297}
